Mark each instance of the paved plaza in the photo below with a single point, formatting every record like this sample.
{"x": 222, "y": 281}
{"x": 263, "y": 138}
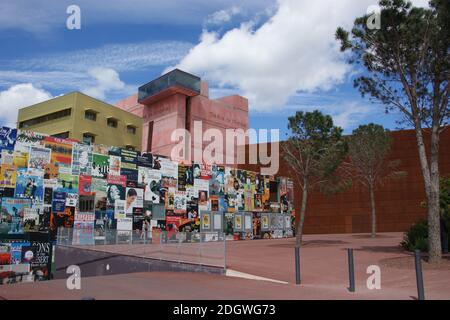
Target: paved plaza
{"x": 323, "y": 266}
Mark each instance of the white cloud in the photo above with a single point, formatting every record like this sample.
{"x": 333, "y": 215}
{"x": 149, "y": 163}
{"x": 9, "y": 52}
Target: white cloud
{"x": 223, "y": 16}
{"x": 16, "y": 97}
{"x": 107, "y": 80}
{"x": 120, "y": 56}
{"x": 294, "y": 51}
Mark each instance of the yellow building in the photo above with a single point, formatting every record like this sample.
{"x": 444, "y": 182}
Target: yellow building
{"x": 81, "y": 117}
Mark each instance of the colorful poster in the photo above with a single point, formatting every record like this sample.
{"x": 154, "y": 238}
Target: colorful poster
{"x": 51, "y": 171}
{"x": 29, "y": 185}
{"x": 68, "y": 182}
{"x": 145, "y": 160}
{"x": 38, "y": 158}
{"x": 12, "y": 213}
{"x": 59, "y": 201}
{"x": 7, "y": 138}
{"x": 216, "y": 183}
{"x": 130, "y": 174}
{"x": 61, "y": 150}
{"x": 26, "y": 139}
{"x": 169, "y": 173}
{"x": 134, "y": 199}
{"x": 31, "y": 219}
{"x": 100, "y": 165}
{"x": 20, "y": 159}
{"x": 153, "y": 186}
{"x": 71, "y": 199}
{"x": 119, "y": 209}
{"x": 116, "y": 189}
{"x": 8, "y": 175}
{"x": 114, "y": 165}
{"x": 182, "y": 177}
{"x": 128, "y": 159}
{"x": 84, "y": 185}
{"x": 81, "y": 159}
{"x": 180, "y": 202}
{"x": 7, "y": 157}
{"x": 206, "y": 223}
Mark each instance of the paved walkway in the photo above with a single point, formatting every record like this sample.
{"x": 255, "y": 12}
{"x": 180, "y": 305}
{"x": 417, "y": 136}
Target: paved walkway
{"x": 324, "y": 274}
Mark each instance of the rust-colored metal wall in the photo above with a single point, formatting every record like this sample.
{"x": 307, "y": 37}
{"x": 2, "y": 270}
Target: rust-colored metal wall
{"x": 397, "y": 202}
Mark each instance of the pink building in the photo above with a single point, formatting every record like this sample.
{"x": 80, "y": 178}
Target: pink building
{"x": 177, "y": 100}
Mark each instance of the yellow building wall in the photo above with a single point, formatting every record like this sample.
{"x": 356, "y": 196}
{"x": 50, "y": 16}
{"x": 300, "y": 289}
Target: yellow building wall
{"x": 76, "y": 123}
{"x": 40, "y": 109}
{"x": 104, "y": 134}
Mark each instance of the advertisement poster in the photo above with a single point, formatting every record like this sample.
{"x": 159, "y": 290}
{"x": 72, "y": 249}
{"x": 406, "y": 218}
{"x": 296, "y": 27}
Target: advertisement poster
{"x": 153, "y": 186}
{"x": 51, "y": 171}
{"x": 99, "y": 185}
{"x": 59, "y": 201}
{"x": 38, "y": 158}
{"x": 7, "y": 138}
{"x": 31, "y": 219}
{"x": 145, "y": 160}
{"x": 128, "y": 159}
{"x": 20, "y": 159}
{"x": 68, "y": 182}
{"x": 84, "y": 185}
{"x": 29, "y": 185}
{"x": 63, "y": 219}
{"x": 170, "y": 198}
{"x": 216, "y": 183}
{"x": 71, "y": 199}
{"x": 130, "y": 174}
{"x": 100, "y": 149}
{"x": 134, "y": 199}
{"x": 125, "y": 224}
{"x": 180, "y": 202}
{"x": 114, "y": 165}
{"x": 81, "y": 159}
{"x": 100, "y": 165}
{"x": 265, "y": 222}
{"x": 61, "y": 150}
{"x": 238, "y": 222}
{"x": 169, "y": 173}
{"x": 84, "y": 220}
{"x": 119, "y": 209}
{"x": 12, "y": 213}
{"x": 206, "y": 223}
{"x": 182, "y": 177}
{"x": 7, "y": 157}
{"x": 26, "y": 139}
{"x": 116, "y": 188}
{"x": 8, "y": 175}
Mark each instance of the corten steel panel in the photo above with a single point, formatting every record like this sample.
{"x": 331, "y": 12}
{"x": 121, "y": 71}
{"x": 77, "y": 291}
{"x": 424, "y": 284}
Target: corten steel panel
{"x": 398, "y": 202}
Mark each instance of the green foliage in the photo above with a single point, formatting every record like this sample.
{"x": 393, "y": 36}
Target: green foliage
{"x": 407, "y": 61}
{"x": 315, "y": 150}
{"x": 416, "y": 238}
{"x": 417, "y": 235}
{"x": 369, "y": 146}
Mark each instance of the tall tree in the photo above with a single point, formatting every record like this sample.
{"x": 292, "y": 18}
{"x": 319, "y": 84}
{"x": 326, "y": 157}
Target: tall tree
{"x": 313, "y": 151}
{"x": 407, "y": 68}
{"x": 368, "y": 148}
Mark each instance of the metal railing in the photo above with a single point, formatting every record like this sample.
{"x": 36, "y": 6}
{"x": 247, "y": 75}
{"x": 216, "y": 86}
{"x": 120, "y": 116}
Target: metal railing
{"x": 202, "y": 248}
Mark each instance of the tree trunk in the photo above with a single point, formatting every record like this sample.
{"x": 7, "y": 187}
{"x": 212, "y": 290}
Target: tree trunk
{"x": 434, "y": 233}
{"x": 374, "y": 215}
{"x": 299, "y": 234}
{"x": 431, "y": 190}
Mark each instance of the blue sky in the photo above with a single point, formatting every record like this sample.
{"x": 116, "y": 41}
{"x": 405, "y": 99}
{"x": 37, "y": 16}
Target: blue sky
{"x": 279, "y": 54}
